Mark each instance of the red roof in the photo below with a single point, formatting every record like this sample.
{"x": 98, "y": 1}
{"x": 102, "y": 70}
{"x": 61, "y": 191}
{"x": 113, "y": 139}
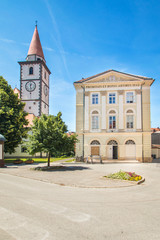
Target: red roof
{"x": 155, "y": 129}
{"x": 30, "y": 117}
{"x": 35, "y": 45}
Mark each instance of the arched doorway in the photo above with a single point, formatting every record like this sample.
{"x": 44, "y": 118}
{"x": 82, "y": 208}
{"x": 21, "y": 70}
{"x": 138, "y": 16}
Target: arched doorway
{"x": 112, "y": 149}
{"x": 95, "y": 148}
{"x": 130, "y": 147}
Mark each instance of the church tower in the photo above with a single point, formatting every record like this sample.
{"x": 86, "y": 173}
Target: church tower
{"x": 34, "y": 79}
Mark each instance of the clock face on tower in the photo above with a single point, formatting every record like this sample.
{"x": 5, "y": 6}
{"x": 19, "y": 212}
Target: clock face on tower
{"x": 30, "y": 86}
{"x": 45, "y": 90}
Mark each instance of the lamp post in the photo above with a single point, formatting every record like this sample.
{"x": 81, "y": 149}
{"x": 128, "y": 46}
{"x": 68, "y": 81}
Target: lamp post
{"x": 2, "y": 140}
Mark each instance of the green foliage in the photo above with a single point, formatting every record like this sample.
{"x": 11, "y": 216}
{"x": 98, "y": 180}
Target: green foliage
{"x": 36, "y": 160}
{"x": 119, "y": 175}
{"x": 12, "y": 117}
{"x": 131, "y": 176}
{"x": 49, "y": 136}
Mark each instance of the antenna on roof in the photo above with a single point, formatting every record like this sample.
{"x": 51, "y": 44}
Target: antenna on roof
{"x": 36, "y": 23}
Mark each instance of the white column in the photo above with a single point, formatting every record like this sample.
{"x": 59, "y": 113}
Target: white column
{"x": 121, "y": 124}
{"x": 86, "y": 125}
{"x": 103, "y": 111}
{"x": 139, "y": 110}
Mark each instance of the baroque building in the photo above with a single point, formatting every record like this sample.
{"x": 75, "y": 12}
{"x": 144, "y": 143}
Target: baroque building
{"x": 113, "y": 116}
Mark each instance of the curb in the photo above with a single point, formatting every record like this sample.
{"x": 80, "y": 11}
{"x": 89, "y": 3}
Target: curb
{"x": 141, "y": 181}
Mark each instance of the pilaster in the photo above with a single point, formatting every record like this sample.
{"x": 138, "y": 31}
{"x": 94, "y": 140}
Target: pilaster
{"x": 86, "y": 124}
{"x": 103, "y": 94}
{"x": 121, "y": 124}
{"x": 138, "y": 110}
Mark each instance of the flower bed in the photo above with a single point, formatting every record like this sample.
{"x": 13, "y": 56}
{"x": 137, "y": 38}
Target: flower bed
{"x": 17, "y": 161}
{"x": 29, "y": 161}
{"x": 130, "y": 176}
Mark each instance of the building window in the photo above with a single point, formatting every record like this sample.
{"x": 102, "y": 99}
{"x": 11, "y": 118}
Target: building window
{"x": 129, "y": 121}
{"x": 95, "y": 122}
{"x": 31, "y": 70}
{"x": 45, "y": 75}
{"x": 129, "y": 97}
{"x": 95, "y": 142}
{"x": 130, "y": 142}
{"x": 112, "y": 122}
{"x": 112, "y": 142}
{"x": 112, "y": 119}
{"x": 95, "y": 98}
{"x": 112, "y": 98}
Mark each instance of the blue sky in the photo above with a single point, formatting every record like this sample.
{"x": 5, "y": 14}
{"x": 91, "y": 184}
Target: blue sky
{"x": 80, "y": 39}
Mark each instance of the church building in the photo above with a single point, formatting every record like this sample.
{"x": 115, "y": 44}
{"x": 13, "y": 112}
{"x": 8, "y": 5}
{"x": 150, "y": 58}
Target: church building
{"x": 34, "y": 85}
{"x": 113, "y": 116}
{"x": 34, "y": 79}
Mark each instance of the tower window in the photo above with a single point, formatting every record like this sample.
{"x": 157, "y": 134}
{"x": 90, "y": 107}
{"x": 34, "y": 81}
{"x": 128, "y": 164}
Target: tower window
{"x": 45, "y": 75}
{"x": 29, "y": 107}
{"x": 31, "y": 70}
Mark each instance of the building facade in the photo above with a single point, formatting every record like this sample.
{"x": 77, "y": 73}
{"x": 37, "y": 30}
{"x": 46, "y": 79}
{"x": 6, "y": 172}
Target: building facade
{"x": 113, "y": 116}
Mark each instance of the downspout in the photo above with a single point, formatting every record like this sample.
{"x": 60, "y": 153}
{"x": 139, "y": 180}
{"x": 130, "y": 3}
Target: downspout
{"x": 83, "y": 120}
{"x": 142, "y": 124}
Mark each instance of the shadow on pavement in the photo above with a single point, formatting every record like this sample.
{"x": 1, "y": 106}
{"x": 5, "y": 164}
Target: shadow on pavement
{"x": 60, "y": 168}
{"x": 156, "y": 160}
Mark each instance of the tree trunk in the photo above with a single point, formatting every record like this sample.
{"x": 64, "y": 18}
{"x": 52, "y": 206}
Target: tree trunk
{"x": 49, "y": 156}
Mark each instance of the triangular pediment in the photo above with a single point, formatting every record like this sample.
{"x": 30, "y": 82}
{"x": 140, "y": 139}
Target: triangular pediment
{"x": 113, "y": 77}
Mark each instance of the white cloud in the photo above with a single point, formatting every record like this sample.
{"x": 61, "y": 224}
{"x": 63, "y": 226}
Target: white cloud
{"x": 58, "y": 38}
{"x": 48, "y": 49}
{"x": 7, "y": 40}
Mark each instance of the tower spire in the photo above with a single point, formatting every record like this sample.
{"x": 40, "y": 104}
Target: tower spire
{"x": 35, "y": 45}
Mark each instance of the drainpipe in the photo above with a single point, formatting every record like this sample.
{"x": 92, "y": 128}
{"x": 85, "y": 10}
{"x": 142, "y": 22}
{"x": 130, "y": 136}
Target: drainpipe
{"x": 83, "y": 120}
{"x": 142, "y": 124}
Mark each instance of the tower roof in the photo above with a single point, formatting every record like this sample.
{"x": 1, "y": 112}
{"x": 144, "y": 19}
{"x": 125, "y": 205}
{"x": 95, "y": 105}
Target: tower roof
{"x": 35, "y": 45}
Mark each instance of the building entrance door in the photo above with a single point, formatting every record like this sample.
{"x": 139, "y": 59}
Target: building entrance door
{"x": 95, "y": 150}
{"x": 112, "y": 149}
{"x": 115, "y": 152}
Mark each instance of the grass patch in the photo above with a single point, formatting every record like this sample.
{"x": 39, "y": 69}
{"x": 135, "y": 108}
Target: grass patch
{"x": 69, "y": 161}
{"x": 37, "y": 160}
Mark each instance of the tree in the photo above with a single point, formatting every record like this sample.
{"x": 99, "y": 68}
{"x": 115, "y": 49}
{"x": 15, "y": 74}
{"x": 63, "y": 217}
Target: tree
{"x": 69, "y": 145}
{"x": 48, "y": 135}
{"x": 12, "y": 117}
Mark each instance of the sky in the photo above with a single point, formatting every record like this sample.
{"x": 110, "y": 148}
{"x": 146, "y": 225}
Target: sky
{"x": 81, "y": 39}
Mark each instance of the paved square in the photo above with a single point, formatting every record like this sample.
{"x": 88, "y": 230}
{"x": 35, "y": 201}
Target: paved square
{"x": 34, "y": 209}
